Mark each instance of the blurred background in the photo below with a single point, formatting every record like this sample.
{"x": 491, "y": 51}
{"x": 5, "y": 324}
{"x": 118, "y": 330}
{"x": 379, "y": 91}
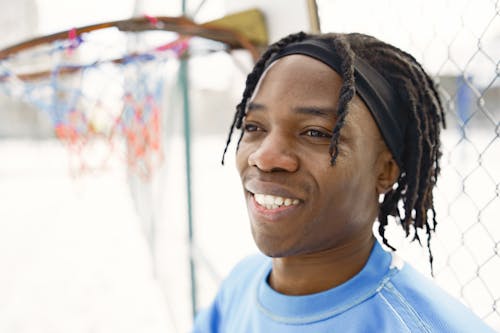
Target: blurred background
{"x": 97, "y": 235}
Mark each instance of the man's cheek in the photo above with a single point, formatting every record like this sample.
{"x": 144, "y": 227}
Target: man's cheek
{"x": 242, "y": 157}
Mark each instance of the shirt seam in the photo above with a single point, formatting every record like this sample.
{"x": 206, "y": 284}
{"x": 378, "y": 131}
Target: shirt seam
{"x": 391, "y": 288}
{"x": 395, "y": 312}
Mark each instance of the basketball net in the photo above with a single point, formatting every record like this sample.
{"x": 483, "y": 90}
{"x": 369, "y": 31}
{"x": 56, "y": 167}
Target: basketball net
{"x": 103, "y": 86}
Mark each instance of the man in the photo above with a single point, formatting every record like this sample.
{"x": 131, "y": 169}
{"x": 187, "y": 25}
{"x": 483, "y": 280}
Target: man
{"x": 336, "y": 131}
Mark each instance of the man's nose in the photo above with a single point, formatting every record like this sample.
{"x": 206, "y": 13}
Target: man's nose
{"x": 275, "y": 153}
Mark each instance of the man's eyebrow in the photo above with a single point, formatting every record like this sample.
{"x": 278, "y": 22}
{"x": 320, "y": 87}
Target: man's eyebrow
{"x": 255, "y": 106}
{"x": 324, "y": 112}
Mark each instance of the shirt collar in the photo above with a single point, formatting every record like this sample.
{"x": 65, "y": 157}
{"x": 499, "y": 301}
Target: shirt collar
{"x": 319, "y": 306}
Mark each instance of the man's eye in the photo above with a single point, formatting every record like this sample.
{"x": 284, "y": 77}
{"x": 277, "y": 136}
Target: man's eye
{"x": 251, "y": 128}
{"x": 317, "y": 134}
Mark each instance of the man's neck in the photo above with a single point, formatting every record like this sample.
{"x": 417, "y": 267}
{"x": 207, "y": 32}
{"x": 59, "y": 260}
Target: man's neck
{"x": 316, "y": 272}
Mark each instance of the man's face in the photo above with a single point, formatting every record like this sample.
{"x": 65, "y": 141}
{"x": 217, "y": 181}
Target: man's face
{"x": 297, "y": 202}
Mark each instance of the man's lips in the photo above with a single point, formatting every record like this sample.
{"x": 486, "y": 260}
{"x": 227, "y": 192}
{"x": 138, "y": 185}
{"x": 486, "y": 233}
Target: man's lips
{"x": 262, "y": 215}
{"x": 272, "y": 212}
{"x": 271, "y": 201}
{"x": 255, "y": 186}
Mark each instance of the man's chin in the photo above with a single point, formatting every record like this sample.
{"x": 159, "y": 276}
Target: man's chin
{"x": 275, "y": 249}
{"x": 269, "y": 249}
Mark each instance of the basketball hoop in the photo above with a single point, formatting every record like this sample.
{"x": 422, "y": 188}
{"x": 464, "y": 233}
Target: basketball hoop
{"x": 103, "y": 86}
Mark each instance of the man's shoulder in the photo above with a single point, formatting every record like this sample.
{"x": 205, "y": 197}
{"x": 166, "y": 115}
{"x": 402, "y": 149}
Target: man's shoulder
{"x": 421, "y": 300}
{"x": 247, "y": 272}
{"x": 234, "y": 295}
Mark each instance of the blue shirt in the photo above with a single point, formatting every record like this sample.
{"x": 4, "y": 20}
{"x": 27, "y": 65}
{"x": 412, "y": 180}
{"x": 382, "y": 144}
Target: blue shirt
{"x": 385, "y": 296}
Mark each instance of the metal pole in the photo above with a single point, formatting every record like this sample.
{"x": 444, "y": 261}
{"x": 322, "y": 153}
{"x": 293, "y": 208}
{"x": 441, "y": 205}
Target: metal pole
{"x": 187, "y": 142}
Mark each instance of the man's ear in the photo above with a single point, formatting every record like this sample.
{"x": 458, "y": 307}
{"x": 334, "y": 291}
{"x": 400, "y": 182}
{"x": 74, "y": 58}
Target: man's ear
{"x": 387, "y": 172}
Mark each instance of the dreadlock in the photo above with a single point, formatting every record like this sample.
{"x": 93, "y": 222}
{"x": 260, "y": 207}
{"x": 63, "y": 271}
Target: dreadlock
{"x": 410, "y": 200}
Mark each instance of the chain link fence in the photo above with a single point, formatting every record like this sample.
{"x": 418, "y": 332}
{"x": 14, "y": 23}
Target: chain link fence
{"x": 458, "y": 42}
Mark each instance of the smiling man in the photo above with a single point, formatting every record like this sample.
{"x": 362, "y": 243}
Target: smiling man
{"x": 337, "y": 131}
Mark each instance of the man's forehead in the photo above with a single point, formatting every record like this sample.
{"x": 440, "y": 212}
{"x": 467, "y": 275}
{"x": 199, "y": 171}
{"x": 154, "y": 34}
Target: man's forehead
{"x": 300, "y": 72}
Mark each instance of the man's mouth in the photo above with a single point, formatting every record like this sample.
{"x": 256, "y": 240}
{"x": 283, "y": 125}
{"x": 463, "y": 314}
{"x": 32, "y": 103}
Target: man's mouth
{"x": 273, "y": 202}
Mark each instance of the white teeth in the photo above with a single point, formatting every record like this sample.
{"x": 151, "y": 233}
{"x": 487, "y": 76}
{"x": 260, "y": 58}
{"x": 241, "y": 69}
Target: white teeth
{"x": 271, "y": 202}
{"x": 259, "y": 198}
{"x": 269, "y": 199}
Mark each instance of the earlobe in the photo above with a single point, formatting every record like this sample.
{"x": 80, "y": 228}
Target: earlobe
{"x": 388, "y": 172}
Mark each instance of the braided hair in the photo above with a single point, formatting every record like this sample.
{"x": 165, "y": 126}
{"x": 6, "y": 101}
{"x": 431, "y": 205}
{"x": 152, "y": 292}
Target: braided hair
{"x": 410, "y": 201}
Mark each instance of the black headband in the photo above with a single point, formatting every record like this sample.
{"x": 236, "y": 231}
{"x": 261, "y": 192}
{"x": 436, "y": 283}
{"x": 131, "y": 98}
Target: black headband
{"x": 373, "y": 88}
